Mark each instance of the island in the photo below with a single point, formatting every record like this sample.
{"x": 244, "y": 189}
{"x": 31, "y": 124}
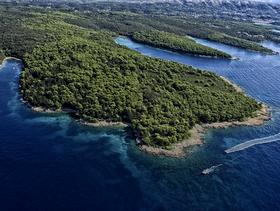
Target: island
{"x": 173, "y": 42}
{"x": 81, "y": 70}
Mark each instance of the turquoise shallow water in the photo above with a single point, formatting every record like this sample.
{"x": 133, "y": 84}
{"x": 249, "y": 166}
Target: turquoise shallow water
{"x": 50, "y": 162}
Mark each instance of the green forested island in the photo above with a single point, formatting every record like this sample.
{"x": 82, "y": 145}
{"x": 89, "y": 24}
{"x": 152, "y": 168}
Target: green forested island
{"x": 71, "y": 65}
{"x": 173, "y": 42}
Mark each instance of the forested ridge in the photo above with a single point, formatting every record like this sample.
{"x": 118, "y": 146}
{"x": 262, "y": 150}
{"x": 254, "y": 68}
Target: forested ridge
{"x": 231, "y": 33}
{"x": 173, "y": 42}
{"x": 237, "y": 34}
{"x": 71, "y": 67}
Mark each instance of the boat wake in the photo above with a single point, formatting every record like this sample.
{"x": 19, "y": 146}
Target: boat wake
{"x": 211, "y": 169}
{"x": 253, "y": 142}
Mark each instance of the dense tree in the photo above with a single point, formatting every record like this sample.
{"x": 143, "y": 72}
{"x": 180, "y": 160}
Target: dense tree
{"x": 86, "y": 71}
{"x": 181, "y": 44}
{"x": 73, "y": 67}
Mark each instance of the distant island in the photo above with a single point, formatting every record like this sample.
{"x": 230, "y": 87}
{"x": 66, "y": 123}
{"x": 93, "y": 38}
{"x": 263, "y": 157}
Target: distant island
{"x": 173, "y": 42}
{"x": 70, "y": 65}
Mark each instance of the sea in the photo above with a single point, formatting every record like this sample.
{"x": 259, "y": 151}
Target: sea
{"x": 51, "y": 162}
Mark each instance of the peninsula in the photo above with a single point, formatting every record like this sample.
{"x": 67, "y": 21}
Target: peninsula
{"x": 71, "y": 67}
{"x": 180, "y": 44}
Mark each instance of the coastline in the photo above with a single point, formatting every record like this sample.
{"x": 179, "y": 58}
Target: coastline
{"x": 180, "y": 51}
{"x": 197, "y": 133}
{"x": 235, "y": 86}
{"x": 103, "y": 124}
{"x": 10, "y": 58}
{"x": 100, "y": 123}
{"x": 176, "y": 150}
{"x": 43, "y": 110}
{"x": 2, "y": 61}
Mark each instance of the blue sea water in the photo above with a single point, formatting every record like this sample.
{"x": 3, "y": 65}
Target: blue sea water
{"x": 50, "y": 162}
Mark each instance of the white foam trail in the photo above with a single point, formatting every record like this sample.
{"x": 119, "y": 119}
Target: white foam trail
{"x": 253, "y": 142}
{"x": 211, "y": 169}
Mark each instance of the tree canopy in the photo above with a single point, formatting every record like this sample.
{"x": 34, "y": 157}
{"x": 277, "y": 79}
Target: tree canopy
{"x": 67, "y": 66}
{"x": 173, "y": 42}
{"x": 86, "y": 71}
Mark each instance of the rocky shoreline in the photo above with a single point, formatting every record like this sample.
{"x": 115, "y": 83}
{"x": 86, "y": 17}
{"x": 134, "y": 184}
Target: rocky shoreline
{"x": 176, "y": 150}
{"x": 7, "y": 58}
{"x": 235, "y": 86}
{"x": 198, "y": 132}
{"x": 43, "y": 110}
{"x": 68, "y": 111}
{"x": 103, "y": 124}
